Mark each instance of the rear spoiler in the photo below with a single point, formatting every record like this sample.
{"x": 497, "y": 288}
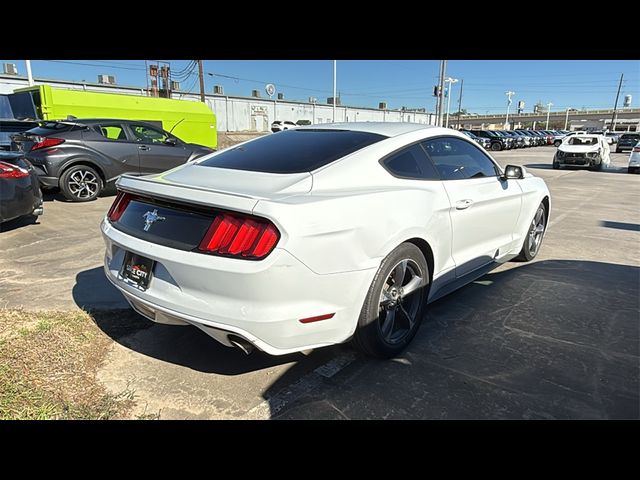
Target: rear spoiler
{"x": 64, "y": 122}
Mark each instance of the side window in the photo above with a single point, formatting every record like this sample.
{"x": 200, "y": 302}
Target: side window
{"x": 458, "y": 159}
{"x": 146, "y": 134}
{"x": 111, "y": 132}
{"x": 411, "y": 162}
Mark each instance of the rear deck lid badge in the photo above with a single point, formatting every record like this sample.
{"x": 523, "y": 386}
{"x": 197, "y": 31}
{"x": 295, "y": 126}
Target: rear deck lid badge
{"x": 150, "y": 218}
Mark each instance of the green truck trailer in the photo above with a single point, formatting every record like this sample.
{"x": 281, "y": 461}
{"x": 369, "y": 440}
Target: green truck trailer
{"x": 192, "y": 122}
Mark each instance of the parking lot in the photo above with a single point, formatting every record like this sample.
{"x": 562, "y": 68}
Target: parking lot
{"x": 557, "y": 338}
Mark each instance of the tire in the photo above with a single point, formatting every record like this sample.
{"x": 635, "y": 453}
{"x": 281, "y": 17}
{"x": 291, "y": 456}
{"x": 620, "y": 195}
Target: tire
{"x": 632, "y": 170}
{"x": 556, "y": 166}
{"x": 618, "y": 150}
{"x": 389, "y": 321}
{"x": 597, "y": 167}
{"x": 529, "y": 250}
{"x": 496, "y": 147}
{"x": 81, "y": 183}
{"x": 557, "y": 143}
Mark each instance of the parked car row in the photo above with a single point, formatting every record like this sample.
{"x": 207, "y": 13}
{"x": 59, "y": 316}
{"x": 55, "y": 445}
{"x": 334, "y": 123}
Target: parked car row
{"x": 497, "y": 140}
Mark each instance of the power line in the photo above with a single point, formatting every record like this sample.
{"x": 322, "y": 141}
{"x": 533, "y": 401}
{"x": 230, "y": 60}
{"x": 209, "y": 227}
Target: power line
{"x": 265, "y": 82}
{"x": 96, "y": 65}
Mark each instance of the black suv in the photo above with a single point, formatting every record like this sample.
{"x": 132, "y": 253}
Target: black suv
{"x": 627, "y": 141}
{"x": 486, "y": 144}
{"x": 83, "y": 155}
{"x": 497, "y": 142}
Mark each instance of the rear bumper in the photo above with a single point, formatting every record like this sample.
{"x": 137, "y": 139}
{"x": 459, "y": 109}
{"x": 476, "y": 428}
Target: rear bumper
{"x": 260, "y": 301}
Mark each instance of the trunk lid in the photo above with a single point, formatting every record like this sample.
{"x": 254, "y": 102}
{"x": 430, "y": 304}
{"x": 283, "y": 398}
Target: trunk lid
{"x": 237, "y": 190}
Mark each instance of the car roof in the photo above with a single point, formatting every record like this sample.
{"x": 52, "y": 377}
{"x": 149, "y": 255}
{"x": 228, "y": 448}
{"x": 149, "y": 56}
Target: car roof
{"x": 388, "y": 129}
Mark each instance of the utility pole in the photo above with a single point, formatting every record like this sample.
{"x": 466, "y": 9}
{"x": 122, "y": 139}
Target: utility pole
{"x": 509, "y": 94}
{"x": 201, "y": 74}
{"x": 460, "y": 103}
{"x": 615, "y": 108}
{"x": 30, "y": 76}
{"x": 549, "y": 105}
{"x": 443, "y": 72}
{"x": 437, "y": 95}
{"x": 335, "y": 66}
{"x": 450, "y": 81}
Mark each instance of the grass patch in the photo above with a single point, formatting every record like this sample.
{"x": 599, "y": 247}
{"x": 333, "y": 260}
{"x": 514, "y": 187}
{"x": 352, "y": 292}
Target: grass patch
{"x": 49, "y": 360}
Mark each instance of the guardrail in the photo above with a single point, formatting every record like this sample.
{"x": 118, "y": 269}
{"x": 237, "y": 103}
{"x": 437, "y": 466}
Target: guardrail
{"x": 551, "y": 114}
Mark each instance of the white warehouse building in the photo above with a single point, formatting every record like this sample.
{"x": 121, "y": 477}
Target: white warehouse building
{"x": 245, "y": 114}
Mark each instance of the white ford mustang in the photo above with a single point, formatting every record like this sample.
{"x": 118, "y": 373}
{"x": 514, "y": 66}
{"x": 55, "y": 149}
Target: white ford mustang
{"x": 320, "y": 234}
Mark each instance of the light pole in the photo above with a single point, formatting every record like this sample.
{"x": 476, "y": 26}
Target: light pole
{"x": 509, "y": 94}
{"x": 334, "y": 90}
{"x": 549, "y": 105}
{"x": 450, "y": 81}
{"x": 566, "y": 118}
{"x": 30, "y": 76}
{"x": 443, "y": 72}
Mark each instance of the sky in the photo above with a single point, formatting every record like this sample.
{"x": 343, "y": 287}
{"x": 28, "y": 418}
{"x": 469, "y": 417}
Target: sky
{"x": 565, "y": 83}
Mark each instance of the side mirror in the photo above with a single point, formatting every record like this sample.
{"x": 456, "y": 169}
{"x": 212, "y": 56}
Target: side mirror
{"x": 171, "y": 141}
{"x": 514, "y": 172}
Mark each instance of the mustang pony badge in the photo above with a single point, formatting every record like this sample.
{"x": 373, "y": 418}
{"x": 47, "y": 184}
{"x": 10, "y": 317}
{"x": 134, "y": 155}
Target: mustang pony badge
{"x": 150, "y": 218}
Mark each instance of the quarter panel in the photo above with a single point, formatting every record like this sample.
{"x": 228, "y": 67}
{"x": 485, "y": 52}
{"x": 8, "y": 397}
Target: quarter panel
{"x": 353, "y": 230}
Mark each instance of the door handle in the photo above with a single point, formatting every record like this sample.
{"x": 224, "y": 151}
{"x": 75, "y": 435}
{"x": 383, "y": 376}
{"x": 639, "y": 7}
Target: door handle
{"x": 143, "y": 147}
{"x": 462, "y": 204}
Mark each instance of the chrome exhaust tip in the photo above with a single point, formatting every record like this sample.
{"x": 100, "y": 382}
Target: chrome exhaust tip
{"x": 240, "y": 343}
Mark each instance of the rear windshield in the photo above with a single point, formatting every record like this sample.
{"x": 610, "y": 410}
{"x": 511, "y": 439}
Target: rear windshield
{"x": 292, "y": 151}
{"x": 631, "y": 135}
{"x": 582, "y": 140}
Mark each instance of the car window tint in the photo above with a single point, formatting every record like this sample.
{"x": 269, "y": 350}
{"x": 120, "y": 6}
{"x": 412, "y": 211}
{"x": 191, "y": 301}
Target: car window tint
{"x": 111, "y": 132}
{"x": 292, "y": 151}
{"x": 411, "y": 163}
{"x": 457, "y": 159}
{"x": 146, "y": 134}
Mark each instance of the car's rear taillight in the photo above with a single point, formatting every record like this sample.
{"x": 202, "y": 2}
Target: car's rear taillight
{"x": 240, "y": 236}
{"x": 47, "y": 142}
{"x": 12, "y": 171}
{"x": 119, "y": 206}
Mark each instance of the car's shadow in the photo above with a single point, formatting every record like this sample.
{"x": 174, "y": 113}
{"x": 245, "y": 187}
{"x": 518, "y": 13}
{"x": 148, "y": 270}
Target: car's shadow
{"x": 19, "y": 222}
{"x": 548, "y": 166}
{"x": 181, "y": 345}
{"x": 490, "y": 328}
{"x": 55, "y": 195}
